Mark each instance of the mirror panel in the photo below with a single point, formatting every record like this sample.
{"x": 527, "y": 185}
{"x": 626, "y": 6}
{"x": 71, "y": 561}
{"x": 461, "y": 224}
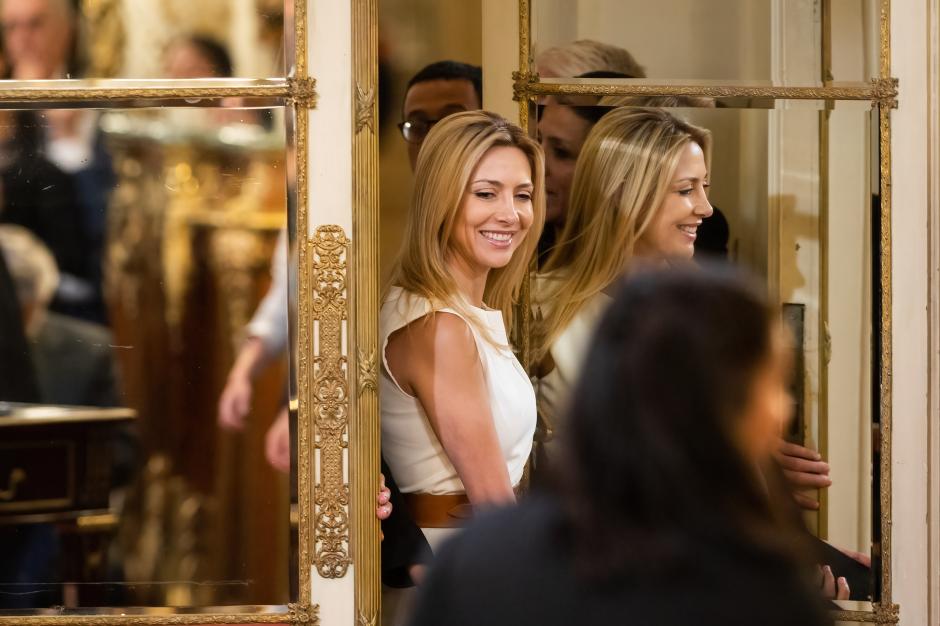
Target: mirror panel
{"x": 141, "y": 242}
{"x": 793, "y": 184}
{"x": 48, "y": 39}
{"x": 727, "y": 42}
{"x": 412, "y": 35}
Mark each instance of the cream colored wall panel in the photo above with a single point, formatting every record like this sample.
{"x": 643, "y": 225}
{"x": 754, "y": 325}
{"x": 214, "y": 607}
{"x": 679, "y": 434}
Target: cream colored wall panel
{"x": 500, "y": 56}
{"x": 909, "y": 57}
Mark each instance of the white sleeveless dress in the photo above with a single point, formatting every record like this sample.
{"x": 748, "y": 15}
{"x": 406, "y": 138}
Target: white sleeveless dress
{"x": 409, "y": 444}
{"x": 568, "y": 352}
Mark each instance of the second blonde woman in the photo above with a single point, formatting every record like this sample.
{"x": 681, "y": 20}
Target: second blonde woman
{"x": 639, "y": 193}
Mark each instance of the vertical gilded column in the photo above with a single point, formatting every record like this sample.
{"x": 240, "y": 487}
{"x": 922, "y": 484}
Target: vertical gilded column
{"x": 365, "y": 432}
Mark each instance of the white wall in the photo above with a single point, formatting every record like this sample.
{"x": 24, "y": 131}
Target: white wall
{"x": 910, "y": 179}
{"x": 673, "y": 39}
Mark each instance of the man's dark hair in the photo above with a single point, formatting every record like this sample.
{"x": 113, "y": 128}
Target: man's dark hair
{"x": 215, "y": 52}
{"x": 450, "y": 70}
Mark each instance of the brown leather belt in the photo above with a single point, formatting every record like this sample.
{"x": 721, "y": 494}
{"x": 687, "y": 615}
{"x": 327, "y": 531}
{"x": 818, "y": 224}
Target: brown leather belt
{"x": 444, "y": 511}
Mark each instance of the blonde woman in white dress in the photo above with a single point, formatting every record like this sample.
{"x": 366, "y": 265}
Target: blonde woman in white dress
{"x": 639, "y": 194}
{"x": 458, "y": 410}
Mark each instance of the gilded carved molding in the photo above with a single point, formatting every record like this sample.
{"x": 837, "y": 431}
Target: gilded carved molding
{"x": 365, "y": 108}
{"x": 303, "y": 92}
{"x": 368, "y": 371}
{"x": 303, "y": 614}
{"x": 330, "y": 399}
{"x": 881, "y": 90}
{"x": 70, "y": 91}
{"x": 295, "y": 615}
{"x": 299, "y": 90}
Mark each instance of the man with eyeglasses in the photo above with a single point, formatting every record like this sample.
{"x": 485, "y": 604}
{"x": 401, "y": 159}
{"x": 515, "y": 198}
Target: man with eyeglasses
{"x": 438, "y": 90}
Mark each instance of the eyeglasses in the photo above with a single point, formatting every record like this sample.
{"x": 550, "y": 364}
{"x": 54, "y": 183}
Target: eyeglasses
{"x": 414, "y": 131}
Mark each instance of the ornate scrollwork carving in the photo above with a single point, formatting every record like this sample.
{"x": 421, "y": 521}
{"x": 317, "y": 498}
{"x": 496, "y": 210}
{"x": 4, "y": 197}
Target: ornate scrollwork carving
{"x": 366, "y": 621}
{"x": 330, "y": 399}
{"x": 365, "y": 108}
{"x": 885, "y": 92}
{"x": 521, "y": 82}
{"x": 303, "y": 614}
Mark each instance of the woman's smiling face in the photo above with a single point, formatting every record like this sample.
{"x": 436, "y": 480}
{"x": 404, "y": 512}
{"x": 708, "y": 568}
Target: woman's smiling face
{"x": 496, "y": 211}
{"x": 674, "y": 228}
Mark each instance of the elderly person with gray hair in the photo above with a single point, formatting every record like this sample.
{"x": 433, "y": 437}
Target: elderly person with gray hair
{"x": 72, "y": 358}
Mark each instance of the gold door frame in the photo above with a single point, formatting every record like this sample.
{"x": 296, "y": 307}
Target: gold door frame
{"x": 297, "y": 93}
{"x": 882, "y": 92}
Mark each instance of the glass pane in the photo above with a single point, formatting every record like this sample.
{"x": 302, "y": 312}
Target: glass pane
{"x": 755, "y": 41}
{"x": 48, "y": 39}
{"x": 139, "y": 244}
{"x": 793, "y": 187}
{"x": 414, "y": 34}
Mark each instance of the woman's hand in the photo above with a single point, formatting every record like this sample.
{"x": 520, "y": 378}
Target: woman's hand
{"x": 804, "y": 469}
{"x": 277, "y": 443}
{"x": 384, "y": 503}
{"x": 833, "y": 588}
{"x": 235, "y": 401}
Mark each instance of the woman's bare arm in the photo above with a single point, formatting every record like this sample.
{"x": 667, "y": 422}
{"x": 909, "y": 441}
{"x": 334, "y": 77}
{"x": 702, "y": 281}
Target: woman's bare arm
{"x": 435, "y": 359}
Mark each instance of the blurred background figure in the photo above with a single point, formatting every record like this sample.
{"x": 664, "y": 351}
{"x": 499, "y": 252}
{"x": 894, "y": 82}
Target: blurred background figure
{"x": 438, "y": 90}
{"x": 17, "y": 377}
{"x": 62, "y": 149}
{"x": 40, "y": 39}
{"x": 197, "y": 56}
{"x": 73, "y": 358}
{"x": 586, "y": 55}
{"x": 670, "y": 509}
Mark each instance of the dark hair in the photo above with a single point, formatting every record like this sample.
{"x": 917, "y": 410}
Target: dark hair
{"x": 450, "y": 70}
{"x": 214, "y": 52}
{"x": 651, "y": 466}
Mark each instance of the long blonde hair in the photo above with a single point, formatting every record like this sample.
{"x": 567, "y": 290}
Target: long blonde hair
{"x": 447, "y": 159}
{"x": 621, "y": 179}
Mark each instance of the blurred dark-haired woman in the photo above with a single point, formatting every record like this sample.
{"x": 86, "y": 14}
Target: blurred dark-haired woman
{"x": 666, "y": 507}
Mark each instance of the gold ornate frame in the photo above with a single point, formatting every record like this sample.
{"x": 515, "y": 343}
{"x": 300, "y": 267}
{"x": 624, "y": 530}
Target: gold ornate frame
{"x": 297, "y": 93}
{"x": 338, "y": 292}
{"x": 882, "y": 92}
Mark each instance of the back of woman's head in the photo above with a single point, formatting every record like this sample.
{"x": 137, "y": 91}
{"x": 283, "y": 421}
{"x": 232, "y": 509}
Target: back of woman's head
{"x": 622, "y": 177}
{"x": 448, "y": 157}
{"x": 653, "y": 457}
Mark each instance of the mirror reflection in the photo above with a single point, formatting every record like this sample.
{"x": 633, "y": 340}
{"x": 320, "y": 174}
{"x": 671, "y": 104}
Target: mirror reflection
{"x": 145, "y": 261}
{"x": 723, "y": 41}
{"x": 785, "y": 189}
{"x": 794, "y": 187}
{"x": 54, "y": 39}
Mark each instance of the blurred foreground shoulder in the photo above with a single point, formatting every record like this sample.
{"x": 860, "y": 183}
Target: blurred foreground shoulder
{"x": 515, "y": 566}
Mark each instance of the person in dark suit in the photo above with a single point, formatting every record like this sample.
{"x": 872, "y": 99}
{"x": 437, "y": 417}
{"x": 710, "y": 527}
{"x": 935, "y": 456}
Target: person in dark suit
{"x": 17, "y": 378}
{"x": 668, "y": 508}
{"x": 72, "y": 358}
